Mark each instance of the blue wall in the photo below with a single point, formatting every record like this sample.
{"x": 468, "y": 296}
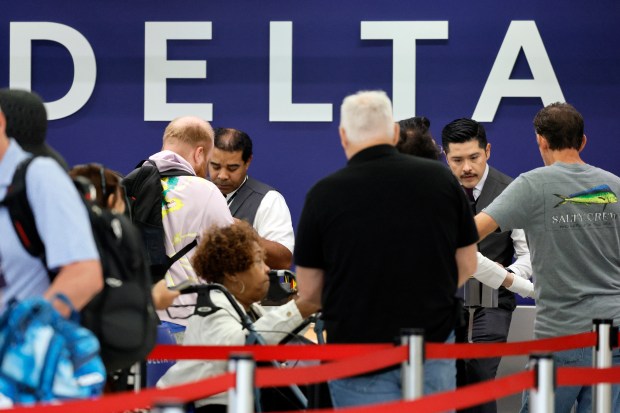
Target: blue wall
{"x": 330, "y": 60}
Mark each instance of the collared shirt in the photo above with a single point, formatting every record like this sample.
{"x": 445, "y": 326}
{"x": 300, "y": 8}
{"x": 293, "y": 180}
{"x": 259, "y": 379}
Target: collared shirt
{"x": 231, "y": 195}
{"x": 273, "y": 218}
{"x": 61, "y": 218}
{"x": 480, "y": 184}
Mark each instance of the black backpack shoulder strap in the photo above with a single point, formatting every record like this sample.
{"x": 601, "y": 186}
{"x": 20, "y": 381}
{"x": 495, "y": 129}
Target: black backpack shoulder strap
{"x": 20, "y": 212}
{"x": 144, "y": 190}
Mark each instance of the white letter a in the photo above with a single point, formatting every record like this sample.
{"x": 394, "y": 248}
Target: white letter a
{"x": 520, "y": 34}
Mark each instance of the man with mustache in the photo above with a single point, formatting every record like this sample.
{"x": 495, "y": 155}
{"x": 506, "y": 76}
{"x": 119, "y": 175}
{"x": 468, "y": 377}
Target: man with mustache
{"x": 249, "y": 199}
{"x": 467, "y": 152}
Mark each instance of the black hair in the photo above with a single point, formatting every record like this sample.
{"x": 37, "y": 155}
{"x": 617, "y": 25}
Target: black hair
{"x": 463, "y": 130}
{"x": 416, "y": 139}
{"x": 233, "y": 140}
{"x": 561, "y": 125}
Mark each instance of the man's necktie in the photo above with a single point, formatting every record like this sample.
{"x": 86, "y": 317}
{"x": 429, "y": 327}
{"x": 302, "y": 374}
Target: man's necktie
{"x": 470, "y": 195}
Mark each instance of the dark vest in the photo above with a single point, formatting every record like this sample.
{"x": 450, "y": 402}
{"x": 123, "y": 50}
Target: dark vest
{"x": 498, "y": 245}
{"x": 247, "y": 199}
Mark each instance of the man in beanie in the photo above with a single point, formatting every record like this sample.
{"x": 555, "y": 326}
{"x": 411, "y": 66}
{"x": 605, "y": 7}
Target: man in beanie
{"x": 26, "y": 122}
{"x": 60, "y": 216}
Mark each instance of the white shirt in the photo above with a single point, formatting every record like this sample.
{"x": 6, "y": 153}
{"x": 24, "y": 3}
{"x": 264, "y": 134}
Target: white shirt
{"x": 491, "y": 274}
{"x": 273, "y": 218}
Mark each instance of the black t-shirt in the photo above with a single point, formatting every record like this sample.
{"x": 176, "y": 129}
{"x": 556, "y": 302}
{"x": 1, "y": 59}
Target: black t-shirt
{"x": 385, "y": 230}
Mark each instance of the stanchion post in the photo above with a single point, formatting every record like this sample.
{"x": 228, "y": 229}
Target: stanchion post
{"x": 606, "y": 337}
{"x": 412, "y": 372}
{"x": 241, "y": 396}
{"x": 137, "y": 376}
{"x": 168, "y": 407}
{"x": 543, "y": 393}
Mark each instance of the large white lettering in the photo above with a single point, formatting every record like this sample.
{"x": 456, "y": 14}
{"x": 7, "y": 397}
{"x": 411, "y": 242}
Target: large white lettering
{"x": 520, "y": 35}
{"x": 404, "y": 35}
{"x": 84, "y": 65}
{"x": 281, "y": 106}
{"x": 157, "y": 68}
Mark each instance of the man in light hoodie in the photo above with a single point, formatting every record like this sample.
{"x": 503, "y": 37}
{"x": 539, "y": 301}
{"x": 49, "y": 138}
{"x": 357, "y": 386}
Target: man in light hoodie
{"x": 192, "y": 205}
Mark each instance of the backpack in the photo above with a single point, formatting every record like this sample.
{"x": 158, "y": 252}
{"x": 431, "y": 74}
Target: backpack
{"x": 122, "y": 315}
{"x": 145, "y": 194}
{"x": 45, "y": 357}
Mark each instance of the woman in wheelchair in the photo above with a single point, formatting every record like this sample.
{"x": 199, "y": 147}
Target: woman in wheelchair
{"x": 231, "y": 256}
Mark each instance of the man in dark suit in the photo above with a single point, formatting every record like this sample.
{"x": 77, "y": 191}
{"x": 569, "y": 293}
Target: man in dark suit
{"x": 489, "y": 304}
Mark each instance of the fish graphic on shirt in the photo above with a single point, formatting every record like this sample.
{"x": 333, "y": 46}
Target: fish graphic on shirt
{"x": 601, "y": 194}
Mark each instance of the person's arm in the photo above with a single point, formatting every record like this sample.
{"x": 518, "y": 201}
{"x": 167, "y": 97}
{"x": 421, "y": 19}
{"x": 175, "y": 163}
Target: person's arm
{"x": 489, "y": 272}
{"x": 522, "y": 266}
{"x": 277, "y": 255}
{"x": 79, "y": 281}
{"x": 309, "y": 289}
{"x": 163, "y": 297}
{"x": 466, "y": 262}
{"x": 485, "y": 225}
{"x": 274, "y": 225}
{"x": 495, "y": 275}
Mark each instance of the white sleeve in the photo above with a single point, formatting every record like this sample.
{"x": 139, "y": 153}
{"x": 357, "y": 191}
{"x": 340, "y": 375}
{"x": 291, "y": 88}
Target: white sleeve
{"x": 273, "y": 220}
{"x": 489, "y": 273}
{"x": 522, "y": 265}
{"x": 493, "y": 275}
{"x": 276, "y": 324}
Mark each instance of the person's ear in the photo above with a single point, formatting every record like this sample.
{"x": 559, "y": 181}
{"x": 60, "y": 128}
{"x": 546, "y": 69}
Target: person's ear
{"x": 229, "y": 279}
{"x": 583, "y": 143}
{"x": 396, "y": 133}
{"x": 542, "y": 142}
{"x": 344, "y": 141}
{"x": 199, "y": 155}
{"x": 2, "y": 123}
{"x": 487, "y": 151}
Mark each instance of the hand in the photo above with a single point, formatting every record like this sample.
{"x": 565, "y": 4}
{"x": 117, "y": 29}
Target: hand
{"x": 162, "y": 296}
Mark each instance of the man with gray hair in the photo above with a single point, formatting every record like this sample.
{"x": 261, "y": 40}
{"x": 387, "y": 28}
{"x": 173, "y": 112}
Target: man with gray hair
{"x": 383, "y": 244}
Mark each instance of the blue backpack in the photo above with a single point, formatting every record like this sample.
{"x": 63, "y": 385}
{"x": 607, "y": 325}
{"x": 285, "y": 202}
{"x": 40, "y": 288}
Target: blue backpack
{"x": 45, "y": 357}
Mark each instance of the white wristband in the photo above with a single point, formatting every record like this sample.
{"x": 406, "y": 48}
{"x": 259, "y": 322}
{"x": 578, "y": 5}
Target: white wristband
{"x": 521, "y": 286}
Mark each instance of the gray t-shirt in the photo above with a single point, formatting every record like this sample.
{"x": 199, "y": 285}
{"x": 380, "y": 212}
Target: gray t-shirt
{"x": 569, "y": 213}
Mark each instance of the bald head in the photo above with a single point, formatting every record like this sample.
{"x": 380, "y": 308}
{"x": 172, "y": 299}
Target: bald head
{"x": 190, "y": 130}
{"x": 192, "y": 138}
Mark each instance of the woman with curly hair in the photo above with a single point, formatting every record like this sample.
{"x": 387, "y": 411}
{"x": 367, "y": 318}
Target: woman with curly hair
{"x": 231, "y": 256}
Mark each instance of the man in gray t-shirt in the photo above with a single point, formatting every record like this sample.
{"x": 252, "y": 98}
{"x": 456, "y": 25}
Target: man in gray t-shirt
{"x": 570, "y": 214}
